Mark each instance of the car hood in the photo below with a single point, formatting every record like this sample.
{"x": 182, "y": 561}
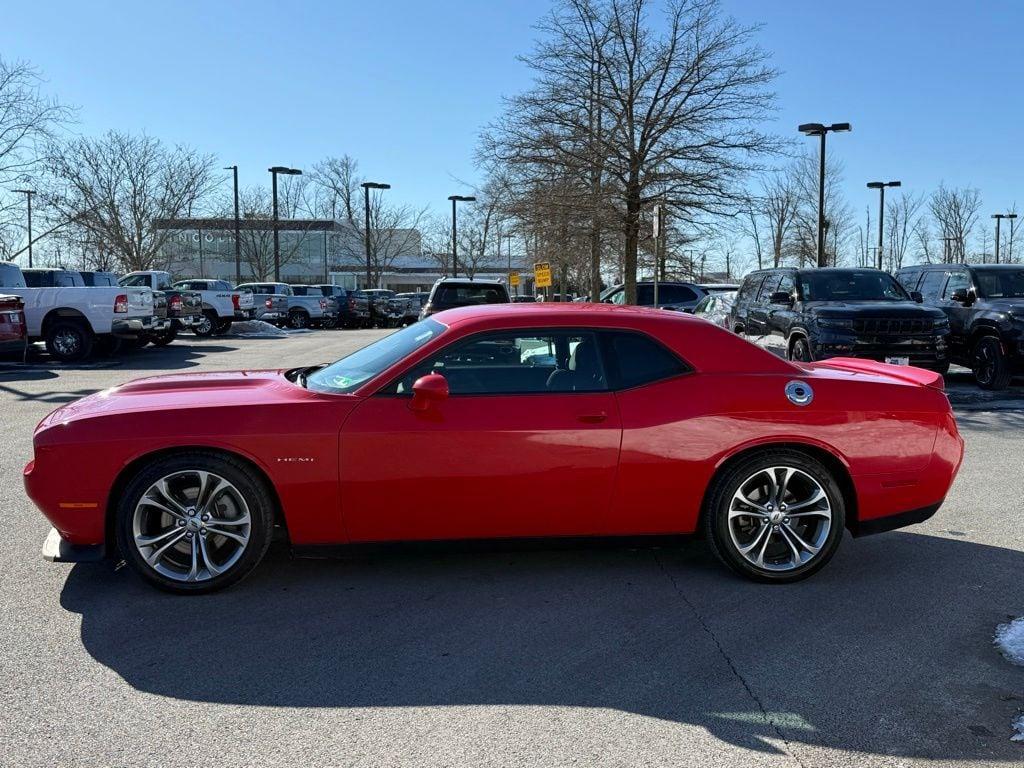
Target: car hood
{"x": 1016, "y": 306}
{"x": 908, "y": 309}
{"x": 192, "y": 390}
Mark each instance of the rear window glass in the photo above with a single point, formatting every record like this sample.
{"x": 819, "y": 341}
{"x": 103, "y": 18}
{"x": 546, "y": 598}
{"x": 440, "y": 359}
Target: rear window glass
{"x": 638, "y": 359}
{"x": 466, "y": 295}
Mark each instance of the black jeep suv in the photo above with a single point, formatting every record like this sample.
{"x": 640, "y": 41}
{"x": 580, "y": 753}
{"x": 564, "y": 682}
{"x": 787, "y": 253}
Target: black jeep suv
{"x": 985, "y": 307}
{"x": 818, "y": 313}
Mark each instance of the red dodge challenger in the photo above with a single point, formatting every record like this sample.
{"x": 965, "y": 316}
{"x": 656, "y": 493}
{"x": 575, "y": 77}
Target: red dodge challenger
{"x": 498, "y": 422}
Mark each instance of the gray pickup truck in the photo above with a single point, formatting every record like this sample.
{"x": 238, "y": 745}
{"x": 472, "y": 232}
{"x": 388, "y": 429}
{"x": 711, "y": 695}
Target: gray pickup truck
{"x": 309, "y": 306}
{"x": 270, "y": 300}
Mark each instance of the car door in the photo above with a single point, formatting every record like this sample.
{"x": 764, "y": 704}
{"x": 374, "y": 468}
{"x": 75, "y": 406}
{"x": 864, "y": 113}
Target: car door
{"x": 757, "y": 313}
{"x": 525, "y": 444}
{"x": 958, "y": 314}
{"x": 779, "y": 318}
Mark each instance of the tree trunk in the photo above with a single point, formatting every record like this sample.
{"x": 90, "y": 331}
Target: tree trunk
{"x": 632, "y": 232}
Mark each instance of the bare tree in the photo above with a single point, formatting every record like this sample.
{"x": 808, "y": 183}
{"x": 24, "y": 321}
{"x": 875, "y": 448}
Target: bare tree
{"x": 680, "y": 101}
{"x": 394, "y": 229}
{"x": 901, "y": 217}
{"x": 955, "y": 212}
{"x": 117, "y": 185}
{"x": 779, "y": 205}
{"x": 804, "y": 176}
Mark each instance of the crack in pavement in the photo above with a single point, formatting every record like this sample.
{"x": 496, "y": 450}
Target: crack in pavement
{"x": 765, "y": 716}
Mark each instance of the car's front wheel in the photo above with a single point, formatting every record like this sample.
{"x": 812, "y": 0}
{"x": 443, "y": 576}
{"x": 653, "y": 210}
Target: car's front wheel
{"x": 800, "y": 350}
{"x": 194, "y": 522}
{"x": 991, "y": 369}
{"x": 776, "y": 516}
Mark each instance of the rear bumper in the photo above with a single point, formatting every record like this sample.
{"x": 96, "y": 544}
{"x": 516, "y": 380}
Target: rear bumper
{"x": 244, "y": 314}
{"x": 132, "y": 327}
{"x": 271, "y": 316}
{"x": 59, "y": 550}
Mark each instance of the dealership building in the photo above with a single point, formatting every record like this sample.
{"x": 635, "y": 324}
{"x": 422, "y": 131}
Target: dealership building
{"x": 311, "y": 251}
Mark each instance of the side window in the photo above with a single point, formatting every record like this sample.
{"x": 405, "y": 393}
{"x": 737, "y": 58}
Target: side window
{"x": 932, "y": 283}
{"x": 675, "y": 294}
{"x": 956, "y": 281}
{"x": 786, "y": 283}
{"x": 767, "y": 287}
{"x": 635, "y": 359}
{"x": 163, "y": 284}
{"x": 645, "y": 295}
{"x": 516, "y": 363}
{"x": 908, "y": 278}
{"x": 619, "y": 297}
{"x": 750, "y": 287}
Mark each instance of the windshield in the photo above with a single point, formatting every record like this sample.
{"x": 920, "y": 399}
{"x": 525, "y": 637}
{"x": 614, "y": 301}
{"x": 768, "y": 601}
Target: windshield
{"x": 1001, "y": 284}
{"x": 854, "y": 285}
{"x": 348, "y": 373}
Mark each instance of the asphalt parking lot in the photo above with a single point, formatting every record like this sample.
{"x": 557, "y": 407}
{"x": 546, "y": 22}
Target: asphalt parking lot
{"x": 603, "y": 656}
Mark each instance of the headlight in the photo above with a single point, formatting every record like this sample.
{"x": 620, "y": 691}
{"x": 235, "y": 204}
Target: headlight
{"x": 941, "y": 322}
{"x": 834, "y": 322}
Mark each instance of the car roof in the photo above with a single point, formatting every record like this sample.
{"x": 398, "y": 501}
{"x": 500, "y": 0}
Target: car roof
{"x": 961, "y": 265}
{"x": 466, "y": 281}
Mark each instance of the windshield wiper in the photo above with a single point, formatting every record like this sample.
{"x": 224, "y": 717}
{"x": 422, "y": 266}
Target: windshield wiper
{"x": 302, "y": 374}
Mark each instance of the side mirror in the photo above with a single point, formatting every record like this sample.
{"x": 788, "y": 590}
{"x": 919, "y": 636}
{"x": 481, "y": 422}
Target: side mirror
{"x": 916, "y": 296}
{"x": 961, "y": 296}
{"x": 429, "y": 389}
{"x": 782, "y": 297}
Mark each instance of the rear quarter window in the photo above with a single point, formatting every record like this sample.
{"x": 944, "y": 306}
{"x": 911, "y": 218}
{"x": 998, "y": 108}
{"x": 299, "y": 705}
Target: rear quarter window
{"x": 635, "y": 359}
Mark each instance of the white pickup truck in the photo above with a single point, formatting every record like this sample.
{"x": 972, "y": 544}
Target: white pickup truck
{"x": 72, "y": 318}
{"x": 222, "y": 304}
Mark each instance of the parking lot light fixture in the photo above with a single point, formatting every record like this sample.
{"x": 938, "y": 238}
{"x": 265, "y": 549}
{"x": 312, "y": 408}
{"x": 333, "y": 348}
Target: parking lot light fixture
{"x": 455, "y": 230}
{"x": 821, "y": 130}
{"x": 274, "y": 171}
{"x": 367, "y": 186}
{"x": 880, "y": 186}
{"x": 238, "y": 227}
{"x": 999, "y": 218}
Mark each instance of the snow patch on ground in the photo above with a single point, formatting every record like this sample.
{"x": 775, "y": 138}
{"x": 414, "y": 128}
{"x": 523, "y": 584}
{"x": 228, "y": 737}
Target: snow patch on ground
{"x": 1010, "y": 640}
{"x": 258, "y": 329}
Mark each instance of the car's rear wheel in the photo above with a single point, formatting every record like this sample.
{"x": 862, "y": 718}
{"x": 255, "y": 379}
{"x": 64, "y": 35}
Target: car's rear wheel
{"x": 298, "y": 319}
{"x": 69, "y": 340}
{"x": 776, "y": 516}
{"x": 163, "y": 338}
{"x": 991, "y": 370}
{"x": 222, "y": 327}
{"x": 194, "y": 522}
{"x": 205, "y": 325}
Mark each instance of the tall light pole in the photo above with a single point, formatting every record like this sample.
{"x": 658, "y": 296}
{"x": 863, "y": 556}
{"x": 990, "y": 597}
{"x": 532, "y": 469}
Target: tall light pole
{"x": 880, "y": 186}
{"x": 455, "y": 230}
{"x": 238, "y": 229}
{"x": 999, "y": 218}
{"x": 277, "y": 240}
{"x": 367, "y": 186}
{"x": 818, "y": 129}
{"x": 28, "y": 199}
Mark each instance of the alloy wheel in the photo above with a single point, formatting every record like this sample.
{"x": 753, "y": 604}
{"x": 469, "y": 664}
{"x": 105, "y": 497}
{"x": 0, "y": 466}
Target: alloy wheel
{"x": 984, "y": 363}
{"x": 67, "y": 342}
{"x": 779, "y": 518}
{"x": 191, "y": 526}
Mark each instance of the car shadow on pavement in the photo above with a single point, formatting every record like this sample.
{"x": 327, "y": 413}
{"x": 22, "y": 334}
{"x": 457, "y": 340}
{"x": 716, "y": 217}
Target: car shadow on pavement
{"x": 887, "y": 651}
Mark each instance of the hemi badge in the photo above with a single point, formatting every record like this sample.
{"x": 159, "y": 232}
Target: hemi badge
{"x": 78, "y": 505}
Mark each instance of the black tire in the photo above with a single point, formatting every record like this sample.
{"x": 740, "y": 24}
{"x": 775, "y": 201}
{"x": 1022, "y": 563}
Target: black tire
{"x": 69, "y": 340}
{"x": 800, "y": 350}
{"x": 206, "y": 325}
{"x": 298, "y": 319}
{"x": 988, "y": 361}
{"x": 248, "y": 483}
{"x": 726, "y": 484}
{"x": 222, "y": 327}
{"x": 329, "y": 322}
{"x": 164, "y": 338}
{"x": 132, "y": 345}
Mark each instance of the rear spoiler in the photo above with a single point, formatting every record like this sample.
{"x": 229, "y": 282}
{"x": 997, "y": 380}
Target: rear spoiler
{"x": 907, "y": 373}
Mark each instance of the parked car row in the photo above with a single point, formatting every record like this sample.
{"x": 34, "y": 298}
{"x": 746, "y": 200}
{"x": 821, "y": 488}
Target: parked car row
{"x": 77, "y": 313}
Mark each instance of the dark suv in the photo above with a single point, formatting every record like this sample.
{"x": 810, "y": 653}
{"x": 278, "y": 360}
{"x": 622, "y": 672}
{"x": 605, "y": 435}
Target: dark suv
{"x": 985, "y": 307}
{"x": 814, "y": 314}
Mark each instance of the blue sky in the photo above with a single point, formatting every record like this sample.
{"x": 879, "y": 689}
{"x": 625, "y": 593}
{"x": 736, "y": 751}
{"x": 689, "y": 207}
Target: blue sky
{"x": 932, "y": 88}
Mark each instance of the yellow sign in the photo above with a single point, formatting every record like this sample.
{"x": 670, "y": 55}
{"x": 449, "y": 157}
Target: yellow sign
{"x": 542, "y": 274}
{"x": 513, "y": 279}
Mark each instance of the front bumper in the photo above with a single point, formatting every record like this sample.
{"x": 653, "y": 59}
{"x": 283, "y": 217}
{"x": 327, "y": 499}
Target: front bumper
{"x": 919, "y": 350}
{"x": 59, "y": 550}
